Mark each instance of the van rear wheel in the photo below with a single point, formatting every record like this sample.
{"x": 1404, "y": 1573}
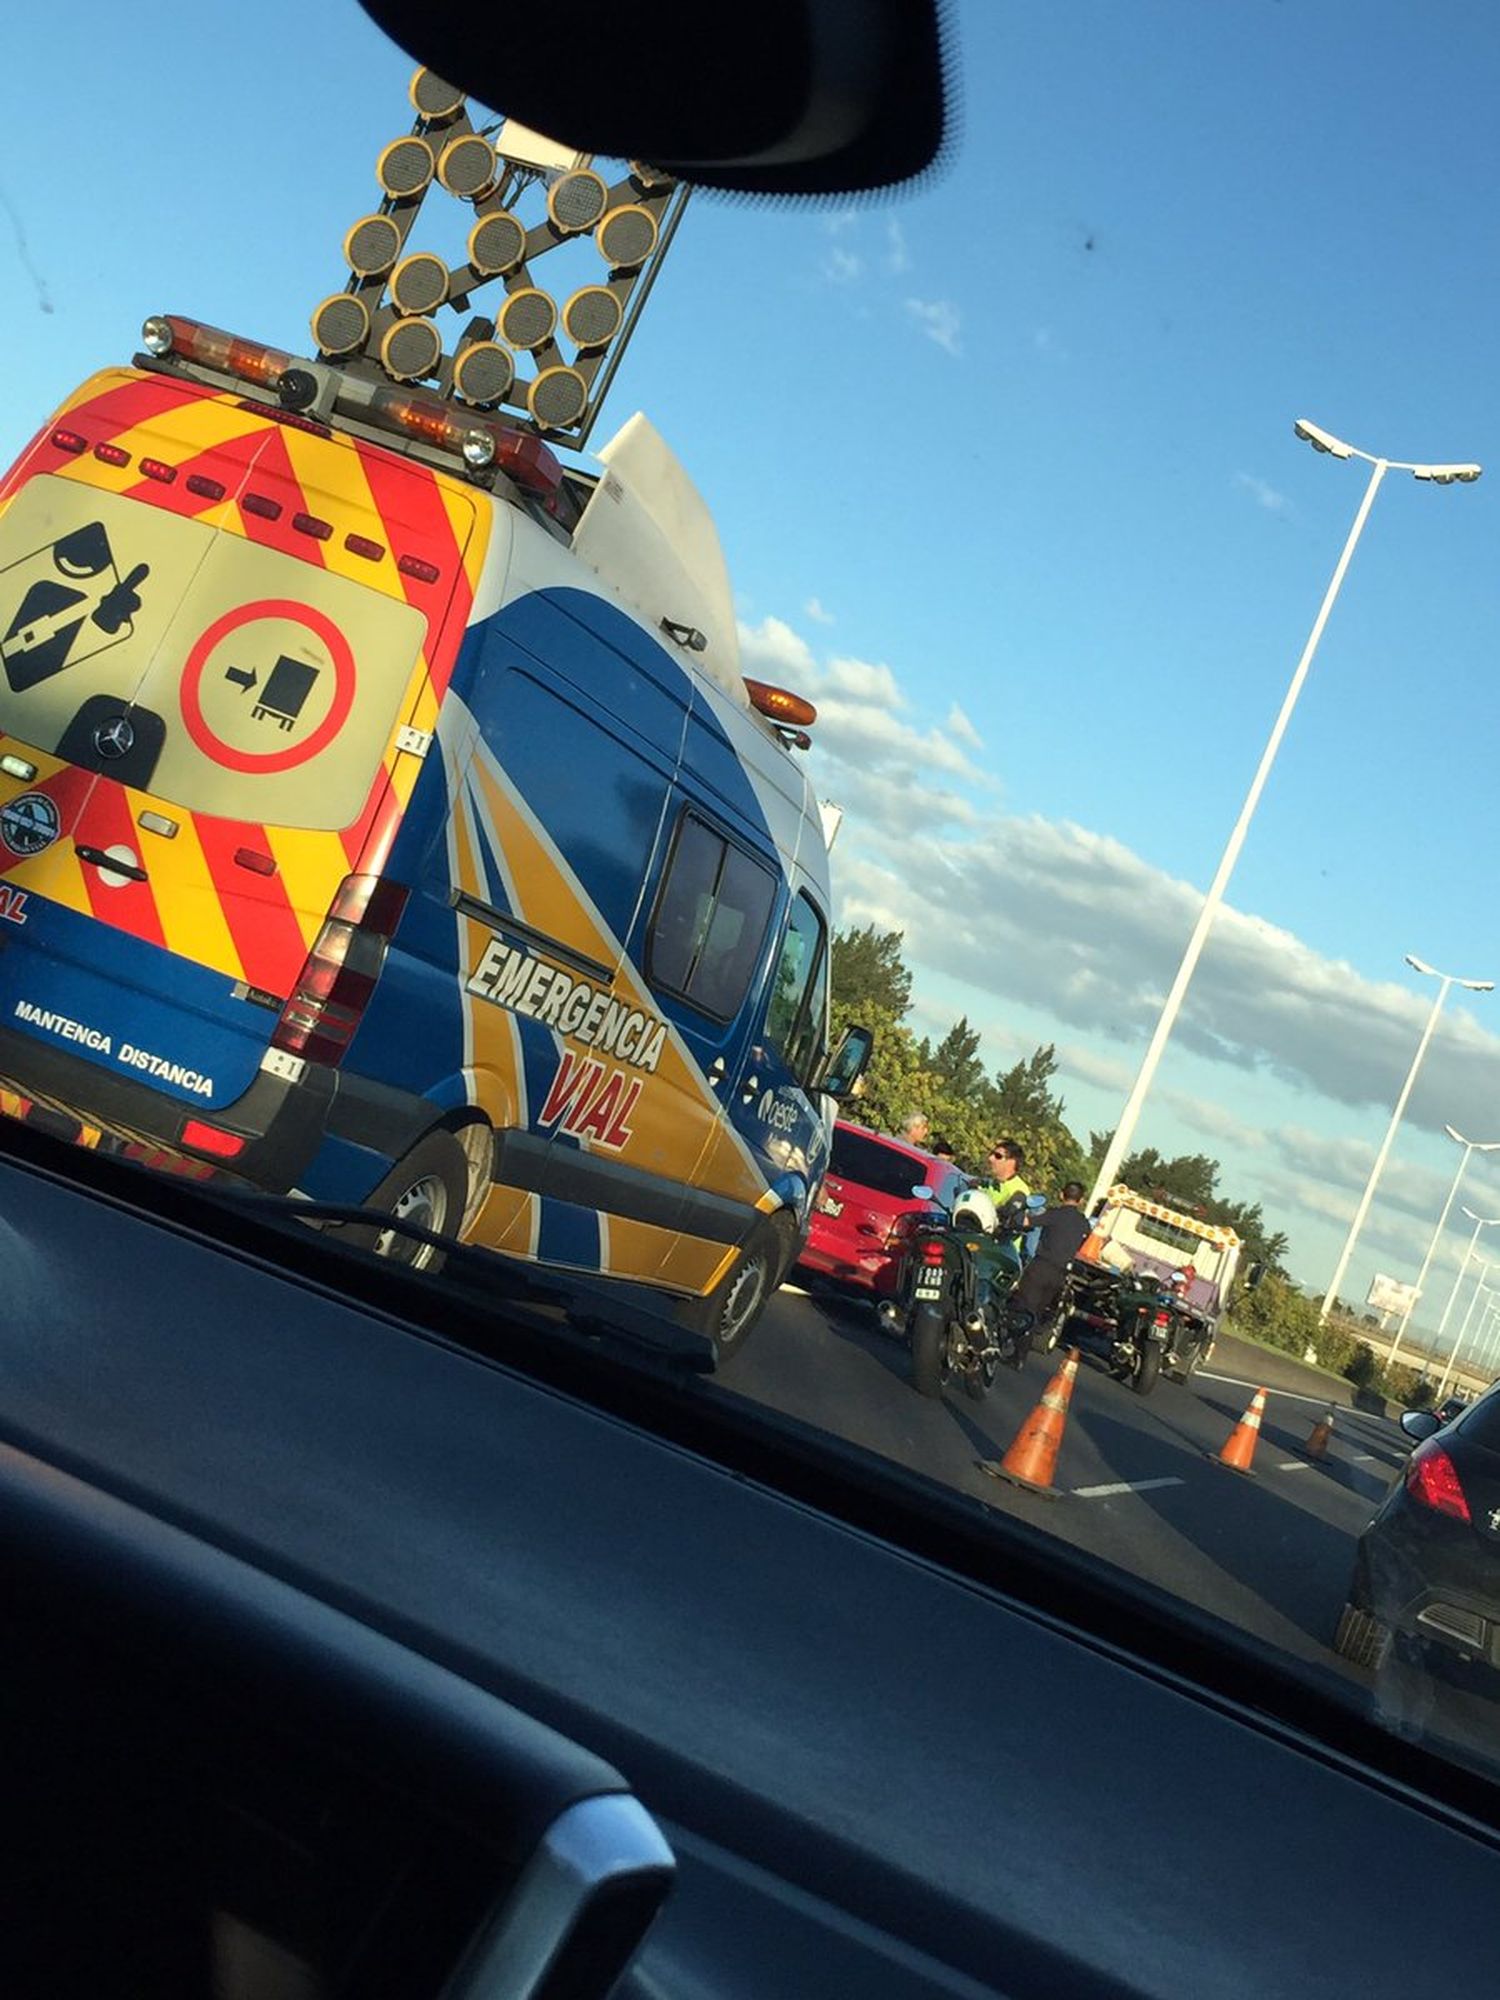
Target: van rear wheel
{"x": 429, "y": 1187}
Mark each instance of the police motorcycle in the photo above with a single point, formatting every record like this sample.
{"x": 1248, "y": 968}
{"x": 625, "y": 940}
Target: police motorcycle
{"x": 1142, "y": 1325}
{"x": 950, "y": 1302}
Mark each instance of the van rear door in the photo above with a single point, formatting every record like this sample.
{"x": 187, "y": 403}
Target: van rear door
{"x": 207, "y": 653}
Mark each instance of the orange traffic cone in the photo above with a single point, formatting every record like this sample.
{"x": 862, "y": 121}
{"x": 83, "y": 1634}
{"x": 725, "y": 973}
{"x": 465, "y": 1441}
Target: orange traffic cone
{"x": 1239, "y": 1446}
{"x": 1317, "y": 1438}
{"x": 1032, "y": 1459}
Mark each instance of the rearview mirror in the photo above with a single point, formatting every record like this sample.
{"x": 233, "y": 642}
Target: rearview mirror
{"x": 780, "y": 97}
{"x": 847, "y": 1063}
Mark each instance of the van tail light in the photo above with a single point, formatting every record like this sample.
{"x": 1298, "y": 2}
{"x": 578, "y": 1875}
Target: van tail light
{"x": 1432, "y": 1478}
{"x": 335, "y": 985}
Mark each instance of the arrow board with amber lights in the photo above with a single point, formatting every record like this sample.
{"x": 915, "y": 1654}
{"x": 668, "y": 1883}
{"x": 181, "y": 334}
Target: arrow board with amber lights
{"x": 447, "y": 285}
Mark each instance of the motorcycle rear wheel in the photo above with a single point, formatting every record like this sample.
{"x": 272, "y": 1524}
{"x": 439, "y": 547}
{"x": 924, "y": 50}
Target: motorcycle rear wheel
{"x": 1143, "y": 1380}
{"x": 929, "y": 1349}
{"x": 979, "y": 1380}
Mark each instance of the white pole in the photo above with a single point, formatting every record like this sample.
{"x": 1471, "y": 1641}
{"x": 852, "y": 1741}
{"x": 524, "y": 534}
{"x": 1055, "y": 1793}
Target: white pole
{"x": 1479, "y": 1223}
{"x": 1458, "y": 1338}
{"x": 1119, "y": 1145}
{"x": 1469, "y": 1146}
{"x": 1376, "y": 1171}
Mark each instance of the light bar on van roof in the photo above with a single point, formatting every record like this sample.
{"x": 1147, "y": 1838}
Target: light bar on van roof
{"x": 780, "y": 704}
{"x": 479, "y": 443}
{"x": 211, "y": 347}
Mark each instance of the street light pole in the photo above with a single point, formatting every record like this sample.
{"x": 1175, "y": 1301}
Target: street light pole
{"x": 1446, "y": 980}
{"x": 1485, "y": 1267}
{"x": 1480, "y": 1222}
{"x": 1470, "y": 1146}
{"x": 1323, "y": 441}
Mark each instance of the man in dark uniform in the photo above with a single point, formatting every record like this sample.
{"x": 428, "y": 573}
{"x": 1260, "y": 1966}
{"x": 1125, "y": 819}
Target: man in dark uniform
{"x": 1062, "y": 1231}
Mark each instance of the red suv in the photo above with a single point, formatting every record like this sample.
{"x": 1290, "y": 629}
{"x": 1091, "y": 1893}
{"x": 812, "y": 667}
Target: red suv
{"x": 864, "y": 1212}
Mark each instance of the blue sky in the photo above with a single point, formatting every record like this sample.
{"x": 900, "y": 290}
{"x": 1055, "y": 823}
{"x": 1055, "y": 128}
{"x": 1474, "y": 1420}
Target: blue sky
{"x": 1005, "y": 474}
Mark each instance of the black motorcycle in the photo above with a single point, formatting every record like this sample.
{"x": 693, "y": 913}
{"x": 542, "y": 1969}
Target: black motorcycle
{"x": 1141, "y": 1327}
{"x": 951, "y": 1303}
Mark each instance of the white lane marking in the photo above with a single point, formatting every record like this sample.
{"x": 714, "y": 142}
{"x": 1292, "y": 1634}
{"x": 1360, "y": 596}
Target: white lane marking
{"x": 1123, "y": 1486}
{"x": 1294, "y": 1465}
{"x": 1364, "y": 1457}
{"x": 1290, "y": 1395}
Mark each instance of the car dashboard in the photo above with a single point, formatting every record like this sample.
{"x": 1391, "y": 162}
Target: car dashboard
{"x": 357, "y": 1647}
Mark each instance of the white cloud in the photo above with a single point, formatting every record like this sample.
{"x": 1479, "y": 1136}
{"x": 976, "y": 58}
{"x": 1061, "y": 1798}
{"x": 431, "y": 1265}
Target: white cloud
{"x": 1108, "y": 1072}
{"x": 959, "y": 725}
{"x": 773, "y": 650}
{"x": 818, "y": 612}
{"x": 842, "y": 266}
{"x": 1263, "y": 493}
{"x": 897, "y": 256}
{"x": 840, "y": 221}
{"x": 940, "y": 320}
{"x": 863, "y": 680}
{"x": 1072, "y": 922}
{"x": 1203, "y": 1115}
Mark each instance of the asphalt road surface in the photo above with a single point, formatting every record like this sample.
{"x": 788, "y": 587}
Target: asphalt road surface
{"x": 1137, "y": 1482}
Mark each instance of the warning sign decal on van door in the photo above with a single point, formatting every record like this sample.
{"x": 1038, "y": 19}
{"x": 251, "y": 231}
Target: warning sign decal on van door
{"x": 63, "y": 603}
{"x": 267, "y": 686}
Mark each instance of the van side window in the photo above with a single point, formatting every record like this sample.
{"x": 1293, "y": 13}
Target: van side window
{"x": 710, "y": 920}
{"x": 799, "y": 992}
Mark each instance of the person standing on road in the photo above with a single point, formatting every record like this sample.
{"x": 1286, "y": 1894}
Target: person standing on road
{"x": 1007, "y": 1167}
{"x": 1062, "y": 1231}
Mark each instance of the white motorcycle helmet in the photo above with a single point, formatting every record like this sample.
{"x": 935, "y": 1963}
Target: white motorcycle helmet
{"x": 977, "y": 1209}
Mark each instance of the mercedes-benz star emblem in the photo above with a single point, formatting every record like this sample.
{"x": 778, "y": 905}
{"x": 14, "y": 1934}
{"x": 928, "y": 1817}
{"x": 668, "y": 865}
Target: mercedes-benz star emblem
{"x": 114, "y": 738}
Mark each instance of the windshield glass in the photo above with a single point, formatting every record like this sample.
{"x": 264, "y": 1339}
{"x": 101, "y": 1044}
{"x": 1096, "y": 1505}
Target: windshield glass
{"x": 385, "y": 832}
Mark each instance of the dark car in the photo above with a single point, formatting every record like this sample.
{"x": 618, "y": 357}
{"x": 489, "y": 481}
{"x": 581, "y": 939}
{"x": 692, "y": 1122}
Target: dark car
{"x": 864, "y": 1211}
{"x": 1449, "y": 1408}
{"x": 1427, "y": 1568}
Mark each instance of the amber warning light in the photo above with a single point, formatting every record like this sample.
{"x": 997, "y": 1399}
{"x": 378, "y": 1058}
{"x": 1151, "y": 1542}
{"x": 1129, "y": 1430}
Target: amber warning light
{"x": 780, "y": 705}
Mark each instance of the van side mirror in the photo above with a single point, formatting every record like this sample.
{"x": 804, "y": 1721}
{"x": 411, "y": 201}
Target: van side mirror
{"x": 846, "y": 1065}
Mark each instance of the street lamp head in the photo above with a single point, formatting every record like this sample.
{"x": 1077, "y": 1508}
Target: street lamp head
{"x": 1447, "y": 475}
{"x": 1477, "y": 985}
{"x": 1321, "y": 440}
{"x": 1421, "y": 965}
{"x": 1484, "y": 1221}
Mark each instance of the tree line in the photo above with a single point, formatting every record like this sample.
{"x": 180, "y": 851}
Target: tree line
{"x": 971, "y": 1107}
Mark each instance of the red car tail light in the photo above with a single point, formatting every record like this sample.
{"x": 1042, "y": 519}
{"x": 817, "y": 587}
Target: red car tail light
{"x": 1432, "y": 1479}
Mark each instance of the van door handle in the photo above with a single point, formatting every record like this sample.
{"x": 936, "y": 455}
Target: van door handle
{"x": 97, "y": 857}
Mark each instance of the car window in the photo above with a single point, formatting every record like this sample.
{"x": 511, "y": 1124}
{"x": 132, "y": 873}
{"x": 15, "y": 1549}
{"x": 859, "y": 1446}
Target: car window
{"x": 856, "y": 1156}
{"x": 711, "y": 916}
{"x": 799, "y": 988}
{"x": 1479, "y": 1423}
